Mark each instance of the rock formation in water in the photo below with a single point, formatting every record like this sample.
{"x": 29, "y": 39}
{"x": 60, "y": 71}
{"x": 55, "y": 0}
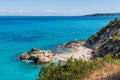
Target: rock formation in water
{"x": 37, "y": 56}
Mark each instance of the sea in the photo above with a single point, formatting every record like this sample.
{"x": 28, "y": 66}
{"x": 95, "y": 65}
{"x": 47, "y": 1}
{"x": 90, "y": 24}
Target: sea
{"x": 19, "y": 34}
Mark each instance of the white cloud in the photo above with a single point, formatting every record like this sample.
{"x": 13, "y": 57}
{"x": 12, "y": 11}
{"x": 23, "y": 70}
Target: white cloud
{"x": 2, "y": 10}
{"x": 23, "y": 11}
{"x": 14, "y": 11}
{"x": 50, "y": 11}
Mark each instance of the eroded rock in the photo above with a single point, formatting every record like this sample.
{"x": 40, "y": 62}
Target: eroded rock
{"x": 37, "y": 56}
{"x": 72, "y": 44}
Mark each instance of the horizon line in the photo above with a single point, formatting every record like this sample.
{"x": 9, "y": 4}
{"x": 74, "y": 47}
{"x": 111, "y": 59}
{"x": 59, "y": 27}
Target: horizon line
{"x": 65, "y": 15}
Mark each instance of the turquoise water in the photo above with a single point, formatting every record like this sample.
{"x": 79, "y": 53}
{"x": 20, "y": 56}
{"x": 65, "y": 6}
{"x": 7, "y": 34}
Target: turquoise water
{"x": 20, "y": 34}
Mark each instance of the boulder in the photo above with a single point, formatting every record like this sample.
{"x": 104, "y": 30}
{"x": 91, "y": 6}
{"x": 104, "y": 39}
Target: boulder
{"x": 34, "y": 49}
{"x": 37, "y": 56}
{"x": 72, "y": 44}
{"x": 24, "y": 57}
{"x": 42, "y": 59}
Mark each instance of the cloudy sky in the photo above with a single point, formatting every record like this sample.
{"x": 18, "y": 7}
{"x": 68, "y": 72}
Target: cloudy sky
{"x": 58, "y": 7}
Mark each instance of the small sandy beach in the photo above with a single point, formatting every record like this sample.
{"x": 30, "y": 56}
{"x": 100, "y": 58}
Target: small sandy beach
{"x": 83, "y": 51}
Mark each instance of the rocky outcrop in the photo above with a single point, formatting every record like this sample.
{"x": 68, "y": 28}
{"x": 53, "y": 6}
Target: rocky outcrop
{"x": 37, "y": 56}
{"x": 112, "y": 46}
{"x": 103, "y": 35}
{"x": 107, "y": 40}
{"x": 75, "y": 49}
{"x": 72, "y": 44}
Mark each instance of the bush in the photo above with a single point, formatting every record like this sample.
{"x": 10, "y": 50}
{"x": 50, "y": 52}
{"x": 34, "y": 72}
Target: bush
{"x": 72, "y": 69}
{"x": 108, "y": 58}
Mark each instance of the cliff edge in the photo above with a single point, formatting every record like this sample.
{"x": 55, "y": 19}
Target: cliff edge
{"x": 107, "y": 40}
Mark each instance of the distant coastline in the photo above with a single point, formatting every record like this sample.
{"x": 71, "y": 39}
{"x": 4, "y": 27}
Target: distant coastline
{"x": 63, "y": 16}
{"x": 102, "y": 14}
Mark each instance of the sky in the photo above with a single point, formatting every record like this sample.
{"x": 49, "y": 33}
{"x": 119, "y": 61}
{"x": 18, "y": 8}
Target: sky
{"x": 58, "y": 7}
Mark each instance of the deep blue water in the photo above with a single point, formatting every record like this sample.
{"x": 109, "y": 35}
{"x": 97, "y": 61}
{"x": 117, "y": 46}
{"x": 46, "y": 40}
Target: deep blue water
{"x": 20, "y": 34}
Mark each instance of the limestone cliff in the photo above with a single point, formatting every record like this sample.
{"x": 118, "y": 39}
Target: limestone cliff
{"x": 107, "y": 40}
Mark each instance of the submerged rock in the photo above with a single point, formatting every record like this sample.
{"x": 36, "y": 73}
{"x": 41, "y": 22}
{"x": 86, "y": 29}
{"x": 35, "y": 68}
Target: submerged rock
{"x": 37, "y": 56}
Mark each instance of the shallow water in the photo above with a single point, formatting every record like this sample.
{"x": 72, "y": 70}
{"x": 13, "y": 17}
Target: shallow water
{"x": 20, "y": 34}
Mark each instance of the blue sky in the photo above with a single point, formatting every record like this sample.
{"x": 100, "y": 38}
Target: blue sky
{"x": 58, "y": 7}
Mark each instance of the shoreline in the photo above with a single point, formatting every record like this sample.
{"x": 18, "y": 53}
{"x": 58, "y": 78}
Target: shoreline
{"x": 83, "y": 51}
{"x": 75, "y": 49}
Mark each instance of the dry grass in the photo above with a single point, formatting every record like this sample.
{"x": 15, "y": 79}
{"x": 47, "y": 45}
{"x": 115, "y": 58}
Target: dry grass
{"x": 108, "y": 70}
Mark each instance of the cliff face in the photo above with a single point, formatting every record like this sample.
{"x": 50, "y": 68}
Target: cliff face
{"x": 107, "y": 40}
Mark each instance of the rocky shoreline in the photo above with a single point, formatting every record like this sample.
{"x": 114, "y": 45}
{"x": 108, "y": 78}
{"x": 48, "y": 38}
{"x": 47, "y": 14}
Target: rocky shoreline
{"x": 37, "y": 56}
{"x": 77, "y": 50}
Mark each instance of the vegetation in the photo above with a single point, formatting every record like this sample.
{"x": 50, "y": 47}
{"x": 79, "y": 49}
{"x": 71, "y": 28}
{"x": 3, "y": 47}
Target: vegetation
{"x": 73, "y": 69}
{"x": 110, "y": 71}
{"x": 112, "y": 46}
{"x": 116, "y": 36}
{"x": 107, "y": 40}
{"x": 104, "y": 33}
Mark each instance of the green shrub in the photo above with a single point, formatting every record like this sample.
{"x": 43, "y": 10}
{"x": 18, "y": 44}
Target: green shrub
{"x": 72, "y": 69}
{"x": 108, "y": 58}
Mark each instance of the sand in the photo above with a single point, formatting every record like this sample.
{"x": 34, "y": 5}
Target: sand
{"x": 81, "y": 52}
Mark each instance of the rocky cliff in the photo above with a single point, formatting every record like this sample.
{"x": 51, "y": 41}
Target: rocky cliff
{"x": 107, "y": 40}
